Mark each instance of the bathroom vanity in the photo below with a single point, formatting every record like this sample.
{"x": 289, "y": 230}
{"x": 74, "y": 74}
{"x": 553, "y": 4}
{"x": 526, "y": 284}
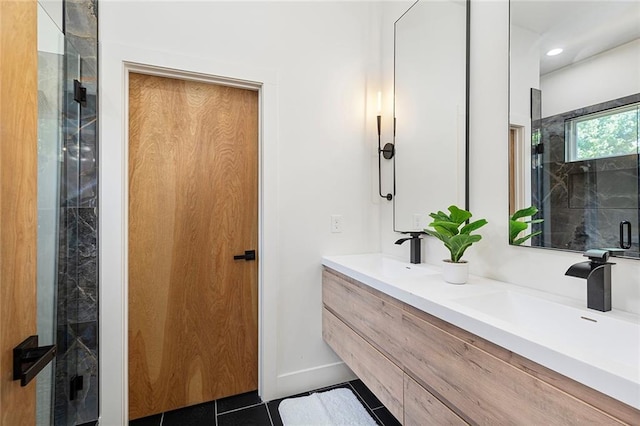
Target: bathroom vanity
{"x": 436, "y": 353}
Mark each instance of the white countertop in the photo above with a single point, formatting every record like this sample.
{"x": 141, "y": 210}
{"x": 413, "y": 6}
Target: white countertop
{"x": 598, "y": 349}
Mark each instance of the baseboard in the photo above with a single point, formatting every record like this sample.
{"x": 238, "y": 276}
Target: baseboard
{"x": 312, "y": 378}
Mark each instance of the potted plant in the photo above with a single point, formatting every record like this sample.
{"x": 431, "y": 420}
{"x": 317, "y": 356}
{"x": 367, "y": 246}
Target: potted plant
{"x": 456, "y": 236}
{"x": 516, "y": 226}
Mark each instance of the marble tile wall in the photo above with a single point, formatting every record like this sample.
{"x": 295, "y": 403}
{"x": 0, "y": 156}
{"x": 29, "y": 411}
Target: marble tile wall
{"x": 77, "y": 306}
{"x": 583, "y": 202}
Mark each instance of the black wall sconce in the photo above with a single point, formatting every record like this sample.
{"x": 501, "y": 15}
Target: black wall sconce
{"x": 387, "y": 152}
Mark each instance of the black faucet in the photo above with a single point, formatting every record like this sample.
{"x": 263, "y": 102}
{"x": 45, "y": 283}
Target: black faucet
{"x": 416, "y": 256}
{"x": 597, "y": 271}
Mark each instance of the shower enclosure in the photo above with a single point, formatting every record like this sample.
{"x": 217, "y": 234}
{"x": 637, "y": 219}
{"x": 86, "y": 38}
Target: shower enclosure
{"x": 67, "y": 390}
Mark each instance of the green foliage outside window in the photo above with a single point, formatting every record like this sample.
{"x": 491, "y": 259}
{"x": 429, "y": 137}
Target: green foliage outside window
{"x": 604, "y": 134}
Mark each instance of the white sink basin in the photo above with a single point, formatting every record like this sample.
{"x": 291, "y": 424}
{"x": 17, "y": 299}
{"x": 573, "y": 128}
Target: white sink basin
{"x": 585, "y": 331}
{"x": 382, "y": 267}
{"x": 392, "y": 268}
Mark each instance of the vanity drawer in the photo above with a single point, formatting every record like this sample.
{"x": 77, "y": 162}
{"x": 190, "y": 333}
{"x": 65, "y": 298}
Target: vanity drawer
{"x": 375, "y": 316}
{"x": 422, "y": 408}
{"x": 484, "y": 388}
{"x": 381, "y": 376}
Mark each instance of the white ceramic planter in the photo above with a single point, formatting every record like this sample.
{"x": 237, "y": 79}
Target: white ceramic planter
{"x": 455, "y": 273}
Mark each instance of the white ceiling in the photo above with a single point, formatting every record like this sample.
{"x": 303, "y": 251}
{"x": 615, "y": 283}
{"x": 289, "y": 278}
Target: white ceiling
{"x": 581, "y": 28}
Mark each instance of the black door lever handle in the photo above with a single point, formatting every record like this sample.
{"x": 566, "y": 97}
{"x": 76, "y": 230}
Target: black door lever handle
{"x": 29, "y": 359}
{"x": 248, "y": 255}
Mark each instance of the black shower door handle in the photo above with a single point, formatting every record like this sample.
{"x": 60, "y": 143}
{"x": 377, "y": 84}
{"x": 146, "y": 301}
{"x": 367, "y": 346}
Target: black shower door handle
{"x": 248, "y": 255}
{"x": 29, "y": 359}
{"x": 625, "y": 224}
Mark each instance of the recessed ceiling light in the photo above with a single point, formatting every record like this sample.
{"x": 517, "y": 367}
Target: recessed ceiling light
{"x": 554, "y": 52}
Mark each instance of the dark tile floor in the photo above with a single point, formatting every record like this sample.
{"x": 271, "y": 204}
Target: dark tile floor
{"x": 249, "y": 410}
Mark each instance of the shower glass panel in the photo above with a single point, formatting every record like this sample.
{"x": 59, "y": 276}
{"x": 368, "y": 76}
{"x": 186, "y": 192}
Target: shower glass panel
{"x": 604, "y": 145}
{"x": 67, "y": 197}
{"x": 66, "y": 360}
{"x": 76, "y": 377}
{"x": 50, "y": 81}
{"x": 594, "y": 152}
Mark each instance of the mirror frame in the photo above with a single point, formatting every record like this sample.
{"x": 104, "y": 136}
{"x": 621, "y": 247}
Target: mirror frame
{"x": 466, "y": 109}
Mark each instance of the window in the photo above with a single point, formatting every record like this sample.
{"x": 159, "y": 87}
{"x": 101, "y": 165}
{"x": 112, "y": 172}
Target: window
{"x": 602, "y": 134}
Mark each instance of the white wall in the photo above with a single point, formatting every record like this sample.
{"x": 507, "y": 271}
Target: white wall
{"x": 493, "y": 257}
{"x": 320, "y": 62}
{"x": 524, "y": 75}
{"x": 575, "y": 86}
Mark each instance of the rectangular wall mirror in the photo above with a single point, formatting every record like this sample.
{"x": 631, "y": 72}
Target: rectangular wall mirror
{"x": 431, "y": 111}
{"x": 573, "y": 124}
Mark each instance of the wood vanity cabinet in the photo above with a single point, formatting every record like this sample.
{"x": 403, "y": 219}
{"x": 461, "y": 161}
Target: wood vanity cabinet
{"x": 427, "y": 371}
{"x": 382, "y": 377}
{"x": 422, "y": 408}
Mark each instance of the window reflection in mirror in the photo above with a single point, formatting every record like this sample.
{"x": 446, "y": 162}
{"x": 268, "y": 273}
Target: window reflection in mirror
{"x": 431, "y": 111}
{"x": 574, "y": 123}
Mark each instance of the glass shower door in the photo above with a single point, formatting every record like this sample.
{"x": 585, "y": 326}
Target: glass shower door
{"x": 50, "y": 81}
{"x": 67, "y": 219}
{"x": 605, "y": 144}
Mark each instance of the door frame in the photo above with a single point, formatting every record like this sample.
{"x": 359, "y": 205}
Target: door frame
{"x": 117, "y": 61}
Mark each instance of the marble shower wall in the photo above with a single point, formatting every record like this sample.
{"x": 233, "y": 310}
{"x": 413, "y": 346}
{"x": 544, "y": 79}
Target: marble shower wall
{"x": 583, "y": 202}
{"x": 77, "y": 306}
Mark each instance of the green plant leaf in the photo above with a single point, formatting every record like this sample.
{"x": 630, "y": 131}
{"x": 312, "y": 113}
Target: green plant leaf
{"x": 515, "y": 227}
{"x": 447, "y": 228}
{"x": 440, "y": 216}
{"x": 458, "y": 244}
{"x": 467, "y": 229}
{"x": 529, "y": 211}
{"x": 458, "y": 215}
{"x": 438, "y": 235}
{"x": 525, "y": 238}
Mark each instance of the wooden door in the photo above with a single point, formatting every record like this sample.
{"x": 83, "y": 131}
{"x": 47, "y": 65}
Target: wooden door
{"x": 18, "y": 190}
{"x": 193, "y": 194}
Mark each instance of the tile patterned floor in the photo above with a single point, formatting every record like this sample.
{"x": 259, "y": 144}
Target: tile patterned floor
{"x": 249, "y": 410}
